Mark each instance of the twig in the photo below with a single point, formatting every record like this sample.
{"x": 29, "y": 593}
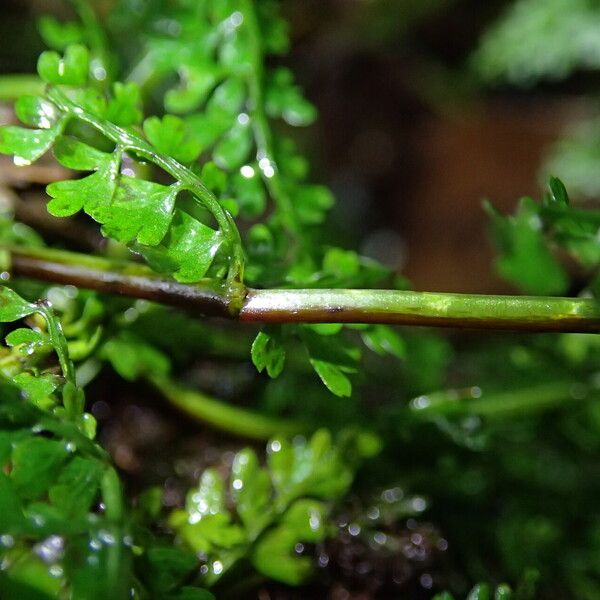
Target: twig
{"x": 216, "y": 298}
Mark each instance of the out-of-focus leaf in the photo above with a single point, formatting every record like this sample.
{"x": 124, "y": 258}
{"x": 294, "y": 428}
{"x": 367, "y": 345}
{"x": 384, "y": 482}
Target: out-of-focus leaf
{"x": 170, "y": 136}
{"x": 268, "y": 352}
{"x": 36, "y": 463}
{"x": 131, "y": 357}
{"x": 72, "y": 69}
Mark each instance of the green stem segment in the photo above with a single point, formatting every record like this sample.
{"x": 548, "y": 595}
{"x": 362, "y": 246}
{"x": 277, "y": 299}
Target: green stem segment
{"x": 225, "y": 417}
{"x": 13, "y": 87}
{"x": 500, "y": 404}
{"x": 262, "y": 132}
{"x": 215, "y": 298}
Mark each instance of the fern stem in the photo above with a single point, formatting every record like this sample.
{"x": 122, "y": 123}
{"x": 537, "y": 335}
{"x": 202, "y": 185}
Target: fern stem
{"x": 215, "y": 298}
{"x": 262, "y": 132}
{"x": 13, "y": 87}
{"x": 223, "y": 416}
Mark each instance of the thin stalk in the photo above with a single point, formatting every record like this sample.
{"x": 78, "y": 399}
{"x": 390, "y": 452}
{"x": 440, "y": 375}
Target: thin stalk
{"x": 260, "y": 126}
{"x": 130, "y": 141}
{"x": 224, "y": 417}
{"x": 96, "y": 34}
{"x": 58, "y": 341}
{"x": 214, "y": 298}
{"x": 13, "y": 87}
{"x": 504, "y": 404}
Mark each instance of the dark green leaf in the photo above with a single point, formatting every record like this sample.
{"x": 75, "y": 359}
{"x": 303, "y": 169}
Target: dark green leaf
{"x": 166, "y": 568}
{"x": 36, "y": 463}
{"x": 558, "y": 191}
{"x": 77, "y": 487}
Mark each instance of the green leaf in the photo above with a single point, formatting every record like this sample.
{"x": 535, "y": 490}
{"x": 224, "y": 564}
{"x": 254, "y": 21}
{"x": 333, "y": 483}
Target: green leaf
{"x": 229, "y": 96}
{"x": 140, "y": 210}
{"x": 306, "y": 518}
{"x": 525, "y": 259}
{"x": 36, "y": 464}
{"x": 274, "y": 557}
{"x": 90, "y": 100}
{"x": 74, "y": 154}
{"x": 268, "y": 352}
{"x": 170, "y": 136}
{"x": 213, "y": 178}
{"x": 166, "y": 568}
{"x": 37, "y": 112}
{"x": 284, "y": 99}
{"x": 315, "y": 468}
{"x": 27, "y": 340}
{"x": 312, "y": 202}
{"x": 331, "y": 361}
{"x": 72, "y": 69}
{"x": 249, "y": 192}
{"x": 187, "y": 251}
{"x": 503, "y": 592}
{"x": 59, "y": 35}
{"x": 77, "y": 487}
{"x": 27, "y": 145}
{"x": 558, "y": 191}
{"x": 12, "y": 519}
{"x": 341, "y": 264}
{"x": 209, "y": 497}
{"x": 131, "y": 357}
{"x": 206, "y": 523}
{"x": 234, "y": 149}
{"x": 13, "y": 307}
{"x": 251, "y": 491}
{"x": 25, "y": 336}
{"x": 125, "y": 107}
{"x": 333, "y": 377}
{"x": 38, "y": 389}
{"x": 191, "y": 593}
{"x": 92, "y": 193}
{"x": 384, "y": 340}
{"x": 480, "y": 592}
{"x": 197, "y": 81}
